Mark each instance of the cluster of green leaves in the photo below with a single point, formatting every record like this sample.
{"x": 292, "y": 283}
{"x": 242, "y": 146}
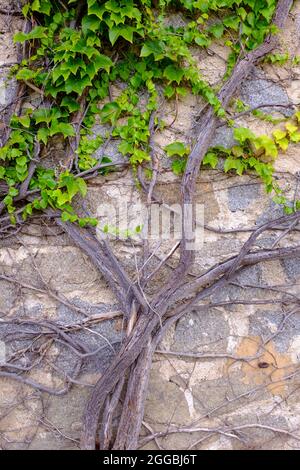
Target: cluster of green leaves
{"x": 58, "y": 194}
{"x": 252, "y": 153}
{"x": 179, "y": 152}
{"x": 81, "y": 49}
{"x": 278, "y": 58}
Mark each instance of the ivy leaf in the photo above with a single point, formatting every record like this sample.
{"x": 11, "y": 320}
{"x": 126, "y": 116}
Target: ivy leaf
{"x": 39, "y": 32}
{"x": 43, "y": 134}
{"x": 178, "y": 166}
{"x": 139, "y": 156}
{"x": 174, "y": 73}
{"x": 181, "y": 91}
{"x": 95, "y": 9}
{"x": 295, "y": 137}
{"x": 202, "y": 40}
{"x": 61, "y": 197}
{"x": 8, "y": 200}
{"x": 81, "y": 184}
{"x": 217, "y": 30}
{"x": 13, "y": 192}
{"x": 153, "y": 47}
{"x": 125, "y": 147}
{"x": 176, "y": 148}
{"x": 62, "y": 128}
{"x": 267, "y": 144}
{"x": 77, "y": 85}
{"x": 234, "y": 164}
{"x": 231, "y": 22}
{"x": 90, "y": 23}
{"x": 279, "y": 134}
{"x": 211, "y": 159}
{"x": 103, "y": 62}
{"x": 70, "y": 103}
{"x": 72, "y": 186}
{"x": 283, "y": 144}
{"x": 291, "y": 128}
{"x": 169, "y": 91}
{"x": 42, "y": 6}
{"x": 25, "y": 121}
{"x": 21, "y": 161}
{"x": 46, "y": 179}
{"x": 110, "y": 112}
{"x": 125, "y": 32}
{"x": 42, "y": 115}
{"x": 241, "y": 134}
{"x": 25, "y": 74}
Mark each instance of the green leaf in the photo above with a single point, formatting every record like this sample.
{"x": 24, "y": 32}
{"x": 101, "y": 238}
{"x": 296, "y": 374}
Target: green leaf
{"x": 202, "y": 40}
{"x": 169, "y": 91}
{"x": 39, "y": 32}
{"x": 90, "y": 23}
{"x": 295, "y": 137}
{"x": 61, "y": 197}
{"x": 77, "y": 85}
{"x": 110, "y": 112}
{"x": 217, "y": 30}
{"x": 155, "y": 48}
{"x": 43, "y": 134}
{"x": 211, "y": 159}
{"x": 125, "y": 32}
{"x": 42, "y": 6}
{"x": 267, "y": 144}
{"x": 8, "y": 200}
{"x": 291, "y": 128}
{"x": 13, "y": 192}
{"x": 103, "y": 62}
{"x": 46, "y": 179}
{"x": 241, "y": 134}
{"x": 173, "y": 73}
{"x": 283, "y": 144}
{"x": 139, "y": 156}
{"x": 21, "y": 161}
{"x": 25, "y": 74}
{"x": 81, "y": 184}
{"x": 234, "y": 164}
{"x": 231, "y": 22}
{"x": 178, "y": 166}
{"x": 176, "y": 148}
{"x": 62, "y": 128}
{"x": 279, "y": 134}
{"x": 70, "y": 103}
{"x": 25, "y": 121}
{"x": 125, "y": 147}
{"x": 42, "y": 115}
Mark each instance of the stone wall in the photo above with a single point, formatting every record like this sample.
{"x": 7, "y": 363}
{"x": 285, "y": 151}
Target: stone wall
{"x": 247, "y": 377}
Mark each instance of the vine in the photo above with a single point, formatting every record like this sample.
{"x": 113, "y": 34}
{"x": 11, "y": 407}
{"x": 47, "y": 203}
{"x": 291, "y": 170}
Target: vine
{"x": 93, "y": 45}
{"x": 252, "y": 153}
{"x": 114, "y": 63}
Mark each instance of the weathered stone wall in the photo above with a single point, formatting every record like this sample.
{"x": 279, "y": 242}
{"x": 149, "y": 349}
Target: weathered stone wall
{"x": 247, "y": 377}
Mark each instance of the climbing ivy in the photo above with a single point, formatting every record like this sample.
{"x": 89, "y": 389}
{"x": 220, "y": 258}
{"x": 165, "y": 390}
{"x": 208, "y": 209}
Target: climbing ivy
{"x": 78, "y": 51}
{"x": 251, "y": 153}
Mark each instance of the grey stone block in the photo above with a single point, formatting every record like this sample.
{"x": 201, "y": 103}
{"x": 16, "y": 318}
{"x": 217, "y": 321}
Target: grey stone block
{"x": 240, "y": 197}
{"x": 259, "y": 91}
